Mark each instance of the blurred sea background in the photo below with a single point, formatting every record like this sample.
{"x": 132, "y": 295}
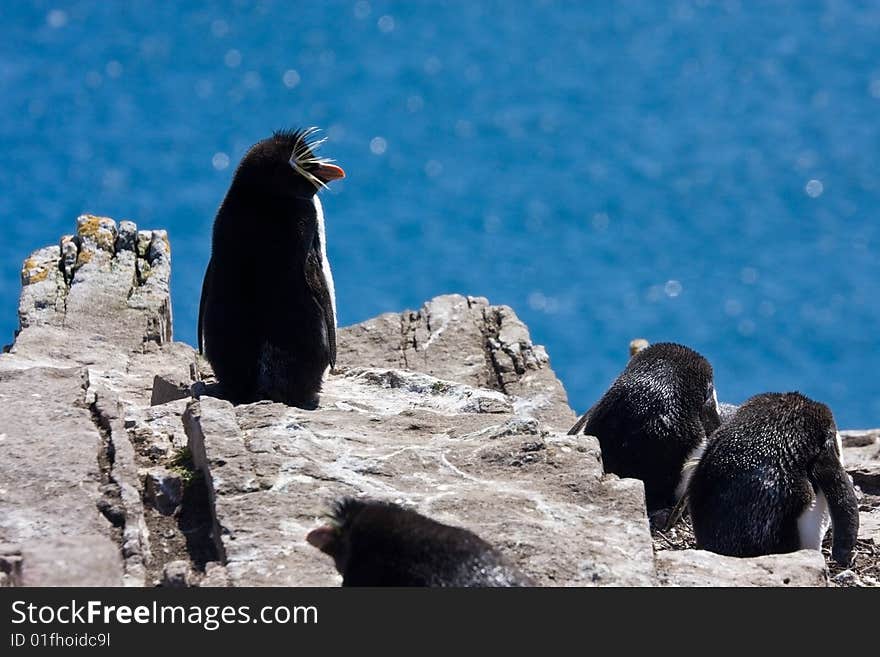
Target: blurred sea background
{"x": 697, "y": 171}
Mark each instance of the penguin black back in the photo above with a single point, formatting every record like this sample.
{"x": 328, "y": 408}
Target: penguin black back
{"x": 653, "y": 417}
{"x": 382, "y": 544}
{"x": 768, "y": 479}
{"x": 267, "y": 317}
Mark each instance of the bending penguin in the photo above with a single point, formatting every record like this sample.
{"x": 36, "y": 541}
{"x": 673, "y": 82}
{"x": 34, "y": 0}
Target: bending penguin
{"x": 267, "y": 317}
{"x": 382, "y": 544}
{"x": 658, "y": 412}
{"x": 771, "y": 480}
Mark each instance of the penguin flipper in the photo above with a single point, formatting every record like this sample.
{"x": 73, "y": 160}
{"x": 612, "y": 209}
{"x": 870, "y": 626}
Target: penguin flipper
{"x": 206, "y": 285}
{"x": 829, "y": 475}
{"x": 321, "y": 292}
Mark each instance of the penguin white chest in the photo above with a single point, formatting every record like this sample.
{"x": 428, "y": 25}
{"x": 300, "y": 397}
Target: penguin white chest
{"x": 814, "y": 523}
{"x": 325, "y": 263}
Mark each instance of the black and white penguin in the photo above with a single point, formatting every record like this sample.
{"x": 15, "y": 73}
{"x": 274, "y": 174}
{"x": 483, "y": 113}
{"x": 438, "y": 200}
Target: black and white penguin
{"x": 771, "y": 480}
{"x": 267, "y": 317}
{"x": 655, "y": 415}
{"x": 382, "y": 544}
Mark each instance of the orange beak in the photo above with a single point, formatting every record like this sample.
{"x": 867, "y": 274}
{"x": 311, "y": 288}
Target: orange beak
{"x": 328, "y": 172}
{"x": 322, "y": 537}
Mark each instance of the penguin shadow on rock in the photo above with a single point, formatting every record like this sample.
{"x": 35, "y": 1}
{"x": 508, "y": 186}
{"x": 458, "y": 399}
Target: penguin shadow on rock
{"x": 377, "y": 543}
{"x": 653, "y": 418}
{"x": 267, "y": 314}
{"x": 771, "y": 480}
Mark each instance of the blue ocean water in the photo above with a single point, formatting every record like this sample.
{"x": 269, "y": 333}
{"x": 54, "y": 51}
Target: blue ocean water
{"x": 698, "y": 171}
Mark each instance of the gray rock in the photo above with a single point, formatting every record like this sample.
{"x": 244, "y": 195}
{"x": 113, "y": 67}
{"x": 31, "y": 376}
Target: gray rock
{"x": 78, "y": 359}
{"x": 177, "y": 575}
{"x": 701, "y": 568}
{"x": 861, "y": 449}
{"x": 864, "y": 438}
{"x": 165, "y": 390}
{"x": 466, "y": 340}
{"x": 215, "y": 576}
{"x": 867, "y": 478}
{"x": 163, "y": 490}
{"x": 726, "y": 411}
{"x": 84, "y": 560}
{"x": 10, "y": 565}
{"x": 126, "y": 239}
{"x": 50, "y": 478}
{"x": 846, "y": 578}
{"x": 869, "y": 525}
{"x": 413, "y": 439}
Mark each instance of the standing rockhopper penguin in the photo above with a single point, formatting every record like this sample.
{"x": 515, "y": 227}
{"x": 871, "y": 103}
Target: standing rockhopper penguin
{"x": 383, "y": 544}
{"x": 653, "y": 417}
{"x": 267, "y": 317}
{"x": 768, "y": 478}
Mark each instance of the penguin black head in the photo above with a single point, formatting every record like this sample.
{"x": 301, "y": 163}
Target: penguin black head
{"x": 382, "y": 544}
{"x": 285, "y": 165}
{"x": 687, "y": 371}
{"x": 655, "y": 415}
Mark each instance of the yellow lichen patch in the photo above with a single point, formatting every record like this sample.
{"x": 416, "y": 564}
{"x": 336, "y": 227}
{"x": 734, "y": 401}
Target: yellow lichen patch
{"x": 33, "y": 272}
{"x": 100, "y": 230}
{"x": 84, "y": 257}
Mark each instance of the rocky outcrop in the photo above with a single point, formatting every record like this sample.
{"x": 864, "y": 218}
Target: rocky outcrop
{"x": 91, "y": 309}
{"x": 701, "y": 568}
{"x": 467, "y": 340}
{"x": 121, "y": 468}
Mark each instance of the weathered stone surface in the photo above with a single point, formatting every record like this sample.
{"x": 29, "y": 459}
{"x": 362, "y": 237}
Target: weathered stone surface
{"x": 165, "y": 390}
{"x": 726, "y": 411}
{"x": 860, "y": 438}
{"x": 867, "y": 477}
{"x": 177, "y": 575}
{"x": 89, "y": 289}
{"x": 215, "y": 576}
{"x": 87, "y": 560}
{"x": 869, "y": 525}
{"x": 451, "y": 451}
{"x": 701, "y": 568}
{"x": 91, "y": 332}
{"x": 861, "y": 449}
{"x": 846, "y": 578}
{"x": 10, "y": 565}
{"x": 463, "y": 339}
{"x": 449, "y": 409}
{"x": 163, "y": 490}
{"x": 50, "y": 479}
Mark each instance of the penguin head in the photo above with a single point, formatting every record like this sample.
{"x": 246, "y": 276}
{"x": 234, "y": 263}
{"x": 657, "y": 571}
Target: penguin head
{"x": 334, "y": 538}
{"x": 302, "y": 145}
{"x": 691, "y": 376}
{"x": 284, "y": 167}
{"x": 795, "y": 414}
{"x": 377, "y": 543}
